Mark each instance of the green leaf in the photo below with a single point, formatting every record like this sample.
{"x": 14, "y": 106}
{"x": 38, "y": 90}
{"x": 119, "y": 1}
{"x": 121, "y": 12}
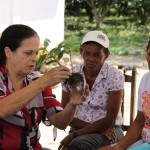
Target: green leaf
{"x": 52, "y": 53}
{"x": 56, "y": 51}
{"x": 40, "y": 61}
{"x": 46, "y": 43}
{"x": 60, "y": 55}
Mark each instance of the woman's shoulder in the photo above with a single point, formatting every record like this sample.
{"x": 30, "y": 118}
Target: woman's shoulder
{"x": 146, "y": 76}
{"x": 115, "y": 78}
{"x": 113, "y": 70}
{"x": 114, "y": 74}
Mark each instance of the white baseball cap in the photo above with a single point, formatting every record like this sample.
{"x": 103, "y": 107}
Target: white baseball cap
{"x": 96, "y": 36}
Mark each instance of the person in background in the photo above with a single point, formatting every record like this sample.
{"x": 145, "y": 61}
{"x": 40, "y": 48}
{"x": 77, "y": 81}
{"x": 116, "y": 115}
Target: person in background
{"x": 98, "y": 120}
{"x": 26, "y": 98}
{"x": 138, "y": 135}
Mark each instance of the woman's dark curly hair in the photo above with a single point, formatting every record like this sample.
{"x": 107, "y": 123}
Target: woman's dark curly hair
{"x": 12, "y": 37}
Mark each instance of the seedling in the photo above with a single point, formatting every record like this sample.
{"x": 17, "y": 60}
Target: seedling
{"x": 53, "y": 56}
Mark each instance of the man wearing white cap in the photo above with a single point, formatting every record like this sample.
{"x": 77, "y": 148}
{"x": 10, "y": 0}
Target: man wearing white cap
{"x": 98, "y": 120}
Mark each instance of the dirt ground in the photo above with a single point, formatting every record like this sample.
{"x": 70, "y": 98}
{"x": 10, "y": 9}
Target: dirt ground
{"x": 128, "y": 60}
{"x": 47, "y": 132}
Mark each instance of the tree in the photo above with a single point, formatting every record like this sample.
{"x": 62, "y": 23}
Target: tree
{"x": 138, "y": 8}
{"x": 142, "y": 8}
{"x": 75, "y": 7}
{"x": 94, "y": 9}
{"x": 100, "y": 9}
{"x": 122, "y": 8}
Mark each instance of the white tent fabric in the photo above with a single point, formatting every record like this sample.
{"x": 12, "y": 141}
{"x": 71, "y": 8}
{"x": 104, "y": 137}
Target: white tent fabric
{"x": 45, "y": 16}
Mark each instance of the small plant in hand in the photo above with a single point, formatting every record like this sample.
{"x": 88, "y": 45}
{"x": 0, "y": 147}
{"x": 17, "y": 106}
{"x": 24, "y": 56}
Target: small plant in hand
{"x": 76, "y": 80}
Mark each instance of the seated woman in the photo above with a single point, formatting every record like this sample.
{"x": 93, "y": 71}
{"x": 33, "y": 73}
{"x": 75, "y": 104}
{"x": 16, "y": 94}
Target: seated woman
{"x": 98, "y": 120}
{"x": 138, "y": 135}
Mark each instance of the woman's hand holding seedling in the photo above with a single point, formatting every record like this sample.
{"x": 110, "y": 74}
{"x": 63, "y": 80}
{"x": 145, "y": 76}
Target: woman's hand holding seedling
{"x": 54, "y": 76}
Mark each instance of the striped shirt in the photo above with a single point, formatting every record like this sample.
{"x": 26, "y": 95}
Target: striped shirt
{"x": 20, "y": 131}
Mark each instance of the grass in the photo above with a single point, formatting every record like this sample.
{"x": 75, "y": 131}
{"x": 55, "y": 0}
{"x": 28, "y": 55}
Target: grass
{"x": 126, "y": 37}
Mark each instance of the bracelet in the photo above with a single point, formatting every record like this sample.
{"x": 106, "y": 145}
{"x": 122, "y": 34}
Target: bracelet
{"x": 40, "y": 85}
{"x": 75, "y": 134}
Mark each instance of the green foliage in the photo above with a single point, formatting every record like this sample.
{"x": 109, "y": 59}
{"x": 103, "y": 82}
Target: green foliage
{"x": 126, "y": 37}
{"x": 54, "y": 55}
{"x": 139, "y": 9}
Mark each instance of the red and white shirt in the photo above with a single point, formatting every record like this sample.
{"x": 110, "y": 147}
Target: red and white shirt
{"x": 21, "y": 130}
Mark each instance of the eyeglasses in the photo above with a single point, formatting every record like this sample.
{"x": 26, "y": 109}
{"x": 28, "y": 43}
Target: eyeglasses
{"x": 31, "y": 53}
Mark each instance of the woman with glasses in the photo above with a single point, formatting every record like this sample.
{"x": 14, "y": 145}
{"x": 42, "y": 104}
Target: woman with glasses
{"x": 26, "y": 98}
